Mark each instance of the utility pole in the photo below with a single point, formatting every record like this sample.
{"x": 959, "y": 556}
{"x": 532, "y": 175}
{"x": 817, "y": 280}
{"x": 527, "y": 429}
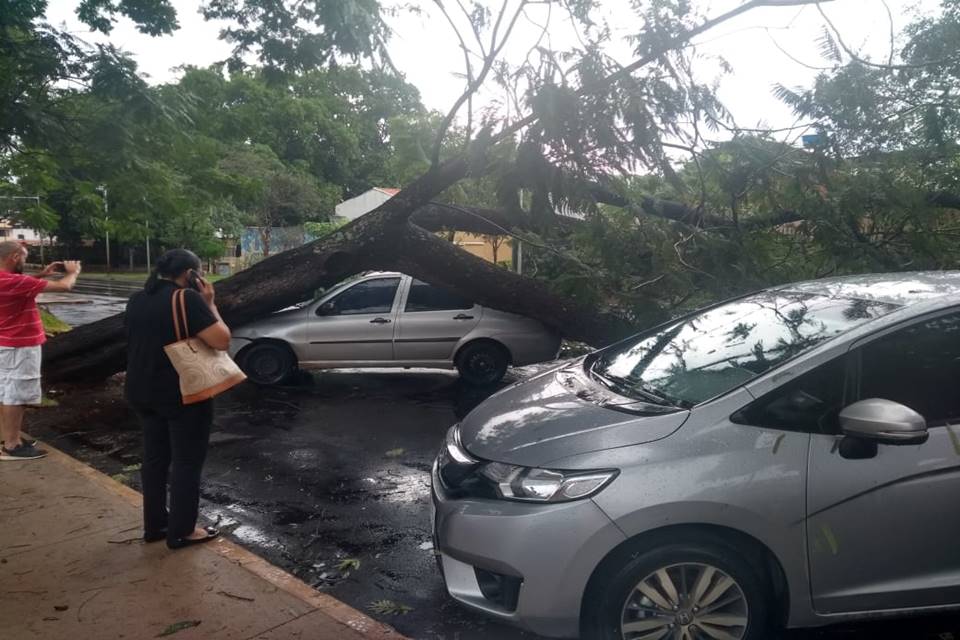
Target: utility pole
{"x": 146, "y": 223}
{"x": 148, "y": 245}
{"x": 106, "y": 221}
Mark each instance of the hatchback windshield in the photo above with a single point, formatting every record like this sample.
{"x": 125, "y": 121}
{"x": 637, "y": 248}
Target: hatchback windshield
{"x": 719, "y": 349}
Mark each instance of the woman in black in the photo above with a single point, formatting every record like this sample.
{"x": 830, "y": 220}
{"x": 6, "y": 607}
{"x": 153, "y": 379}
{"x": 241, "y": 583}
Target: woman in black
{"x": 175, "y": 435}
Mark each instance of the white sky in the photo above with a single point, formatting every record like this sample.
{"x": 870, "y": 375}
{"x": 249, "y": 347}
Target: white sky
{"x": 426, "y": 51}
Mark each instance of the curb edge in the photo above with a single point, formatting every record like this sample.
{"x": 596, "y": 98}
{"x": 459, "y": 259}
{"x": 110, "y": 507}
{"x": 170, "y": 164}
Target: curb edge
{"x": 287, "y": 582}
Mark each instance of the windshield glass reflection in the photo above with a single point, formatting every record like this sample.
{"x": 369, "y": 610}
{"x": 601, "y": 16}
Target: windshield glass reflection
{"x": 719, "y": 349}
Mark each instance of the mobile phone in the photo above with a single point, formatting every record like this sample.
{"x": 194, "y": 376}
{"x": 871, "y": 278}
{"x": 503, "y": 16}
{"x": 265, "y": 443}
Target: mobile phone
{"x": 193, "y": 279}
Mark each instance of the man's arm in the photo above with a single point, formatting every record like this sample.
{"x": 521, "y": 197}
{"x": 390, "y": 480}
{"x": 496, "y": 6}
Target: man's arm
{"x": 72, "y": 269}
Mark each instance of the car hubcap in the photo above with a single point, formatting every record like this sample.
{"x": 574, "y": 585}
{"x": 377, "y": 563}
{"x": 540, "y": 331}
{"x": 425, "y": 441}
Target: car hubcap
{"x": 482, "y": 365}
{"x": 685, "y": 602}
{"x": 266, "y": 366}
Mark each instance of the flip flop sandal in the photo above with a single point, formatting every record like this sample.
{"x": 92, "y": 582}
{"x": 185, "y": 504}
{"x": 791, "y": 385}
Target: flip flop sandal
{"x": 212, "y": 534}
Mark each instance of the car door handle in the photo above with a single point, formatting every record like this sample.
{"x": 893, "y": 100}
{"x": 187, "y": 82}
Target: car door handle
{"x": 462, "y": 316}
{"x": 379, "y": 321}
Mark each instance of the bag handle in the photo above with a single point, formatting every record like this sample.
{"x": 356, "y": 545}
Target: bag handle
{"x": 179, "y": 305}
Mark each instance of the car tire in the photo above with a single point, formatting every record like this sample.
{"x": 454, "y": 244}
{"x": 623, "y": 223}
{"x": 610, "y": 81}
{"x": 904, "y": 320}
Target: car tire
{"x": 268, "y": 363}
{"x": 636, "y": 600}
{"x": 482, "y": 363}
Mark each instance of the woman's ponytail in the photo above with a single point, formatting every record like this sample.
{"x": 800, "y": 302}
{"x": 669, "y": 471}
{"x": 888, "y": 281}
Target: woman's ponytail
{"x": 171, "y": 265}
{"x": 152, "y": 281}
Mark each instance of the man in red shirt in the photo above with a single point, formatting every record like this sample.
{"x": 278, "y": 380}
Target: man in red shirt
{"x": 21, "y": 334}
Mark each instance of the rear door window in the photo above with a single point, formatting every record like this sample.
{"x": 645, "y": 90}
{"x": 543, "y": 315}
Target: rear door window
{"x": 427, "y": 297}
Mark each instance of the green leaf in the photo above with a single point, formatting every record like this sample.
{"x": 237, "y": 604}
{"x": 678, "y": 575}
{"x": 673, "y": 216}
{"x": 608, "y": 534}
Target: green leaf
{"x": 348, "y": 564}
{"x": 176, "y": 627}
{"x": 389, "y": 608}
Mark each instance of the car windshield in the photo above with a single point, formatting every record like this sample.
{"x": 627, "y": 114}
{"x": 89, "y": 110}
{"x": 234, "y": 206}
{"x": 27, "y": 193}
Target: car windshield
{"x": 714, "y": 351}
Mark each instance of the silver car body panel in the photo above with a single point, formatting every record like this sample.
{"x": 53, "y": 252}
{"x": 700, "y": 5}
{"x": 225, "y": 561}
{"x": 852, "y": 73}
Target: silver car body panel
{"x": 467, "y": 532}
{"x": 855, "y": 538}
{"x": 399, "y": 338}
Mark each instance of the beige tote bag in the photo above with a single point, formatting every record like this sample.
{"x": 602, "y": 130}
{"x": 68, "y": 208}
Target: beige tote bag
{"x": 204, "y": 371}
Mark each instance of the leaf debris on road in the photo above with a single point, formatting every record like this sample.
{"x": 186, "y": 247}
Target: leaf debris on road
{"x": 176, "y": 627}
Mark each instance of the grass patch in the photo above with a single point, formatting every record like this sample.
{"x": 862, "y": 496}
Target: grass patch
{"x": 52, "y": 325}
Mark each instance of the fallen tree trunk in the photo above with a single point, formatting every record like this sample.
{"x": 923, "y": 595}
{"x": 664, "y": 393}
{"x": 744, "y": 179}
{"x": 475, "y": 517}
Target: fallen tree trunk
{"x": 384, "y": 239}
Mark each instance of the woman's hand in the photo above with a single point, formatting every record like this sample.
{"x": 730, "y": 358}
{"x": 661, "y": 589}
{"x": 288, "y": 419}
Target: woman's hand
{"x": 206, "y": 290}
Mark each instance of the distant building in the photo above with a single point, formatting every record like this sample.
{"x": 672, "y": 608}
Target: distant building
{"x": 240, "y": 253}
{"x": 10, "y": 232}
{"x": 497, "y": 249}
{"x": 364, "y": 203}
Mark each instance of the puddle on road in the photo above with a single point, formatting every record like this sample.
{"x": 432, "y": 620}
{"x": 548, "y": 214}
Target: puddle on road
{"x": 255, "y": 536}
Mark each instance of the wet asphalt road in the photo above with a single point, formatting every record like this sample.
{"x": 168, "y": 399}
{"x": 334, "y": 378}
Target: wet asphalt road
{"x": 330, "y": 480}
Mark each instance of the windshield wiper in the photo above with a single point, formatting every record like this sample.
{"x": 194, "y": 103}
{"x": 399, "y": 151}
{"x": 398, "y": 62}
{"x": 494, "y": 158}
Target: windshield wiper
{"x": 628, "y": 387}
{"x": 656, "y": 393}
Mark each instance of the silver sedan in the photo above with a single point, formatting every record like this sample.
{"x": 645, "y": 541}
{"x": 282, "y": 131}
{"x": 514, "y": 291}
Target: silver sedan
{"x": 391, "y": 320}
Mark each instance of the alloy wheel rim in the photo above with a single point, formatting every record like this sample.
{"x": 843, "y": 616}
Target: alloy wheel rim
{"x": 688, "y": 601}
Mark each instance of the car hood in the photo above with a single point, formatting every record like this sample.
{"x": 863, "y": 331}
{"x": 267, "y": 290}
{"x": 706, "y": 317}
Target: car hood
{"x": 263, "y": 326}
{"x": 551, "y": 417}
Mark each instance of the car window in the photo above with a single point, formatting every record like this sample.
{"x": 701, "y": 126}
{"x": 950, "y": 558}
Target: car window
{"x": 370, "y": 296}
{"x": 810, "y": 404}
{"x": 426, "y": 297}
{"x": 918, "y": 366}
{"x": 719, "y": 349}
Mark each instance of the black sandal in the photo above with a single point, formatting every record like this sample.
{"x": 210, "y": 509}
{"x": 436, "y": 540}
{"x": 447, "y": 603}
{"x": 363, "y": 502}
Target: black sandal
{"x": 180, "y": 543}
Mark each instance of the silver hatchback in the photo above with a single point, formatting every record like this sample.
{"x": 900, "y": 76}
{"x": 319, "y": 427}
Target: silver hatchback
{"x": 391, "y": 320}
{"x": 790, "y": 457}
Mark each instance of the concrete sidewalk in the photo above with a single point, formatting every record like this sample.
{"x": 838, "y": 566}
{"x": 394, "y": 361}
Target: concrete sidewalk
{"x": 72, "y": 565}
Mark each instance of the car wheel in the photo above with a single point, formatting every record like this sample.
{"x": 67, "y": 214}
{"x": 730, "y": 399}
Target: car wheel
{"x": 268, "y": 363}
{"x": 482, "y": 363}
{"x": 681, "y": 592}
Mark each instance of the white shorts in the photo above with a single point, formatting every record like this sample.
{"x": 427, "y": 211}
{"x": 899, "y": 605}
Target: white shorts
{"x": 20, "y": 375}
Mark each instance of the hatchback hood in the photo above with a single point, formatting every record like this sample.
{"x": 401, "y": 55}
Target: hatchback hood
{"x": 551, "y": 417}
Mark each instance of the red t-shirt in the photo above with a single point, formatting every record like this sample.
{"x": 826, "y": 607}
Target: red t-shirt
{"x": 20, "y": 324}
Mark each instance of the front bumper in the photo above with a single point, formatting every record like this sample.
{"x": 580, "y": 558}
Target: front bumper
{"x": 552, "y": 549}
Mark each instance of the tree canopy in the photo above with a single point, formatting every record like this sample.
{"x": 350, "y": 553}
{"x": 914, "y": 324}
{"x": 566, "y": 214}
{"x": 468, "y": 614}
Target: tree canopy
{"x": 627, "y": 180}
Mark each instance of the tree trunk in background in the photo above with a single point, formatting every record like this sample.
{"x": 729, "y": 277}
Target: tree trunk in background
{"x": 384, "y": 239}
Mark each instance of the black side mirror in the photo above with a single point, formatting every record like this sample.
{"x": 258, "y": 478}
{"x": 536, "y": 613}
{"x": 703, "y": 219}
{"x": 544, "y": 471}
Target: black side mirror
{"x": 883, "y": 422}
{"x": 327, "y": 309}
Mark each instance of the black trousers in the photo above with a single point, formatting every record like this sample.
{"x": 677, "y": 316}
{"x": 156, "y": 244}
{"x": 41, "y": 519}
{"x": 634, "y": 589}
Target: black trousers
{"x": 175, "y": 440}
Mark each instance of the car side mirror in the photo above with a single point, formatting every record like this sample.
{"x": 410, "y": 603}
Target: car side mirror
{"x": 883, "y": 422}
{"x": 327, "y": 309}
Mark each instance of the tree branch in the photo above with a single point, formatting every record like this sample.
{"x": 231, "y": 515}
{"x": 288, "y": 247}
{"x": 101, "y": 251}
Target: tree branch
{"x": 473, "y": 87}
{"x": 665, "y": 48}
{"x": 876, "y": 65}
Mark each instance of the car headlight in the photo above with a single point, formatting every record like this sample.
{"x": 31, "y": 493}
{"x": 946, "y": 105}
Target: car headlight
{"x": 532, "y": 484}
